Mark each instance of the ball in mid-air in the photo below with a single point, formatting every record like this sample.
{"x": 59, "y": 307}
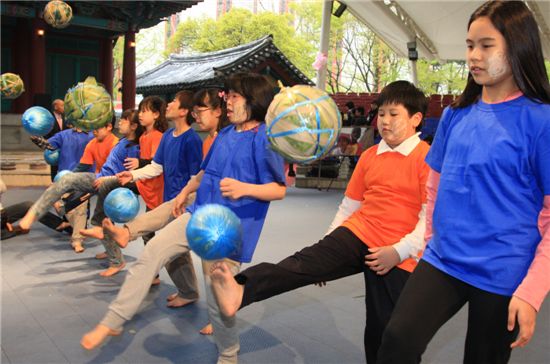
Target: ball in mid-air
{"x": 61, "y": 174}
{"x": 11, "y": 85}
{"x": 51, "y": 157}
{"x": 37, "y": 120}
{"x": 214, "y": 232}
{"x": 303, "y": 123}
{"x": 88, "y": 105}
{"x": 58, "y": 14}
{"x": 121, "y": 205}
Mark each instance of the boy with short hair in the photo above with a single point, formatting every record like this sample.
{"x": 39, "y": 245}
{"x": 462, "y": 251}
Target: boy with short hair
{"x": 378, "y": 229}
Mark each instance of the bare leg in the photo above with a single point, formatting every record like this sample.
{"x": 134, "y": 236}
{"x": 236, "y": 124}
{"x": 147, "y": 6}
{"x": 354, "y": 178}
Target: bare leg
{"x": 120, "y": 235}
{"x": 95, "y": 232}
{"x": 94, "y": 338}
{"x": 228, "y": 292}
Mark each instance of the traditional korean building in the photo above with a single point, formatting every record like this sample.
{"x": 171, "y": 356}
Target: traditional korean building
{"x": 209, "y": 69}
{"x": 51, "y": 60}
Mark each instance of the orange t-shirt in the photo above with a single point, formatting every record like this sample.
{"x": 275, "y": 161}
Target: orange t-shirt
{"x": 98, "y": 151}
{"x": 151, "y": 190}
{"x": 207, "y": 143}
{"x": 392, "y": 189}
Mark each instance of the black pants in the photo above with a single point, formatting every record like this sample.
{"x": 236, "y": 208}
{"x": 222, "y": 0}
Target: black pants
{"x": 430, "y": 299}
{"x": 15, "y": 212}
{"x": 337, "y": 255}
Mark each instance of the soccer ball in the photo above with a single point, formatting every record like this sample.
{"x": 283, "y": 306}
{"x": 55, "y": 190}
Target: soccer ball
{"x": 12, "y": 85}
{"x": 58, "y": 14}
{"x": 302, "y": 123}
{"x": 88, "y": 106}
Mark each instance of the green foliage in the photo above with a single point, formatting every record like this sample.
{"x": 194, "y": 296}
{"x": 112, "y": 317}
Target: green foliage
{"x": 240, "y": 26}
{"x": 436, "y": 78}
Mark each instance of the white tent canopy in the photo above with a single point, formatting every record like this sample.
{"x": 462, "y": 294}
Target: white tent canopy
{"x": 438, "y": 27}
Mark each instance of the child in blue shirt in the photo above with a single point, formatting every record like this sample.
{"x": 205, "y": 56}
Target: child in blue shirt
{"x": 240, "y": 172}
{"x": 488, "y": 200}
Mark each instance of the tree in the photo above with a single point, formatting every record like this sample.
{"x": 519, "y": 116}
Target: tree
{"x": 240, "y": 26}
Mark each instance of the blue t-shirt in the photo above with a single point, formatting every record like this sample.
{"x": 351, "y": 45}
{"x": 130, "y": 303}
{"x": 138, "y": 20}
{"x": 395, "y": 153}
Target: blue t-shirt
{"x": 115, "y": 161}
{"x": 247, "y": 157}
{"x": 71, "y": 145}
{"x": 494, "y": 161}
{"x": 180, "y": 157}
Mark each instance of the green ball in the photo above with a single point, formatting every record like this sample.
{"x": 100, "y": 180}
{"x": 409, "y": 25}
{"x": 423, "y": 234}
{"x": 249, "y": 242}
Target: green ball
{"x": 58, "y": 14}
{"x": 302, "y": 123}
{"x": 12, "y": 85}
{"x": 88, "y": 106}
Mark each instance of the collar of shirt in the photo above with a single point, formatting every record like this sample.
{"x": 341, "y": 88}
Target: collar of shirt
{"x": 404, "y": 148}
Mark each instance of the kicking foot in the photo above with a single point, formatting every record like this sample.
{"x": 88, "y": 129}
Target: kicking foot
{"x": 17, "y": 229}
{"x": 179, "y": 302}
{"x": 207, "y": 330}
{"x": 94, "y": 338}
{"x": 155, "y": 282}
{"x": 172, "y": 297}
{"x": 95, "y": 232}
{"x": 120, "y": 235}
{"x": 228, "y": 292}
{"x": 77, "y": 246}
{"x": 101, "y": 255}
{"x": 112, "y": 270}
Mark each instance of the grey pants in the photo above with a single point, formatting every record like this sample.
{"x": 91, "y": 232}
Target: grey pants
{"x": 180, "y": 269}
{"x": 168, "y": 244}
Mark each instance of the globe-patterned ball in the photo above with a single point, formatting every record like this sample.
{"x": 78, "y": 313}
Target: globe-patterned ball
{"x": 61, "y": 174}
{"x": 214, "y": 232}
{"x": 12, "y": 85}
{"x": 302, "y": 123}
{"x": 58, "y": 14}
{"x": 37, "y": 120}
{"x": 51, "y": 157}
{"x": 121, "y": 205}
{"x": 88, "y": 105}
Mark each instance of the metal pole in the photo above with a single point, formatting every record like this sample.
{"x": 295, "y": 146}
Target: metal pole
{"x": 325, "y": 36}
{"x": 414, "y": 73}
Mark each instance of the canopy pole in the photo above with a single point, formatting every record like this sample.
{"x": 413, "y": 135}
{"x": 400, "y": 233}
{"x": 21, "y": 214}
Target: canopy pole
{"x": 414, "y": 72}
{"x": 325, "y": 37}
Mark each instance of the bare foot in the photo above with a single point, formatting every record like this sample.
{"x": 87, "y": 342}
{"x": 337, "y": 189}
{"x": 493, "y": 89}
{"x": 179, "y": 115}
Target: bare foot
{"x": 77, "y": 246}
{"x": 155, "y": 282}
{"x": 207, "y": 330}
{"x": 112, "y": 270}
{"x": 172, "y": 296}
{"x": 94, "y": 338}
{"x": 101, "y": 255}
{"x": 228, "y": 292}
{"x": 120, "y": 235}
{"x": 26, "y": 222}
{"x": 179, "y": 302}
{"x": 95, "y": 232}
{"x": 63, "y": 226}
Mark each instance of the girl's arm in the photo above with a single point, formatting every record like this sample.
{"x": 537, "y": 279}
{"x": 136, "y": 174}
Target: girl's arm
{"x": 149, "y": 171}
{"x": 432, "y": 185}
{"x": 347, "y": 207}
{"x": 235, "y": 189}
{"x": 530, "y": 294}
{"x": 181, "y": 199}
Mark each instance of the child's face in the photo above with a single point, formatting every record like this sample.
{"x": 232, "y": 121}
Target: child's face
{"x": 173, "y": 110}
{"x": 395, "y": 124}
{"x": 207, "y": 118}
{"x": 486, "y": 54}
{"x": 236, "y": 108}
{"x": 125, "y": 128}
{"x": 147, "y": 117}
{"x": 102, "y": 133}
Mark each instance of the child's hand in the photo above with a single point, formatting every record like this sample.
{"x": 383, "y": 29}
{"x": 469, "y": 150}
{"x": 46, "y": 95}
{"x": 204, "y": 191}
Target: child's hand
{"x": 232, "y": 188}
{"x": 98, "y": 182}
{"x": 124, "y": 177}
{"x": 381, "y": 260}
{"x": 179, "y": 204}
{"x": 131, "y": 163}
{"x": 526, "y": 315}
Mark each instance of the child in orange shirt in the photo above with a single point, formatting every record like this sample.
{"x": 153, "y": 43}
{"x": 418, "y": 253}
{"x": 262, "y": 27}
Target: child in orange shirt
{"x": 378, "y": 229}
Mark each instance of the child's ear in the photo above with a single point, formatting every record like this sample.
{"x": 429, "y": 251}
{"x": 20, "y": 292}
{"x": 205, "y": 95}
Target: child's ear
{"x": 109, "y": 127}
{"x": 417, "y": 119}
{"x": 218, "y": 112}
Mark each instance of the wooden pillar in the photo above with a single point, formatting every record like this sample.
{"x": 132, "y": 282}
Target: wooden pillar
{"x": 107, "y": 65}
{"x": 22, "y": 64}
{"x": 129, "y": 71}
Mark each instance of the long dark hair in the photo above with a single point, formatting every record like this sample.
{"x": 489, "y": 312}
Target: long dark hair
{"x": 133, "y": 117}
{"x": 185, "y": 98}
{"x": 523, "y": 50}
{"x": 156, "y": 104}
{"x": 212, "y": 98}
{"x": 256, "y": 89}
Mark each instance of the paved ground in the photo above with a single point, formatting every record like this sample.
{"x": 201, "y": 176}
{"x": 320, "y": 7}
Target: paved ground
{"x": 51, "y": 296}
